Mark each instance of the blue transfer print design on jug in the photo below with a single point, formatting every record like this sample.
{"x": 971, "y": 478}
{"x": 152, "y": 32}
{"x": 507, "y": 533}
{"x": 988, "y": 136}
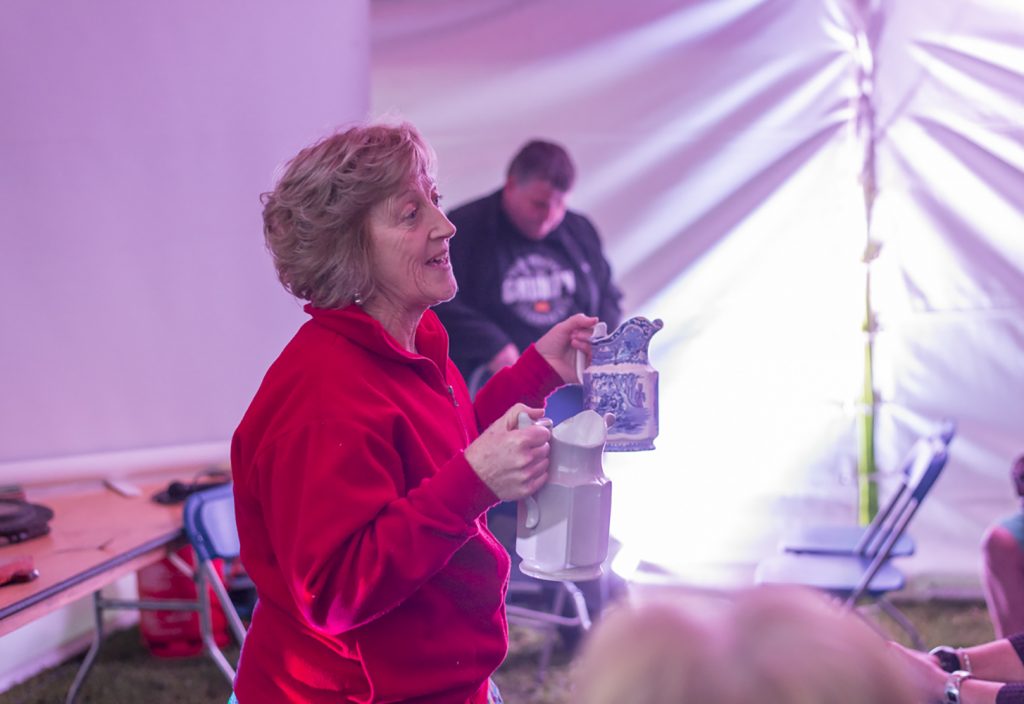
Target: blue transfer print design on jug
{"x": 621, "y": 381}
{"x": 621, "y": 395}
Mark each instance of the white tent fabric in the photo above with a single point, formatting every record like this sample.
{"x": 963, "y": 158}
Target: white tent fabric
{"x": 724, "y": 149}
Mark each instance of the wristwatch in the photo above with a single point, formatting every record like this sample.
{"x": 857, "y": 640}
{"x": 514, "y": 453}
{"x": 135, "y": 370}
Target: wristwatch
{"x": 949, "y": 659}
{"x": 953, "y": 685}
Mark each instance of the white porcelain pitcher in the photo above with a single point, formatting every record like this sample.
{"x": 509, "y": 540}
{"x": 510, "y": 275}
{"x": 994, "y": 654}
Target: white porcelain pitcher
{"x": 562, "y": 530}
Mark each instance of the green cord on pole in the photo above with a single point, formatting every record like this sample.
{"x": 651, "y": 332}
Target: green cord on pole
{"x": 867, "y": 485}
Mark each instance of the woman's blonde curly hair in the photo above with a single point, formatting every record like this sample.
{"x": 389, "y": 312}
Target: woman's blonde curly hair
{"x": 315, "y": 219}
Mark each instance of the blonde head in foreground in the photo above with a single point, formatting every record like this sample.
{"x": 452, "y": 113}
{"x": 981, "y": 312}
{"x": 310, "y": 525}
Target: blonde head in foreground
{"x": 772, "y": 645}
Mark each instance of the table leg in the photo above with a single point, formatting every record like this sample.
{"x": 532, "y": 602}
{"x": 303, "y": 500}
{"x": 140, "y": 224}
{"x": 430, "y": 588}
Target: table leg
{"x": 94, "y": 649}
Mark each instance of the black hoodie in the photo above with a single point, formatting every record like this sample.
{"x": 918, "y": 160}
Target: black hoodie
{"x": 513, "y": 289}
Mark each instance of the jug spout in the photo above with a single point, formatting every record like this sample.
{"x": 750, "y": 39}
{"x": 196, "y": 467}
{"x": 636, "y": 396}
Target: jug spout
{"x": 576, "y": 447}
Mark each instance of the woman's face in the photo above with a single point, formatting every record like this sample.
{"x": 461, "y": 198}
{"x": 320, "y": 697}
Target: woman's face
{"x": 409, "y": 262}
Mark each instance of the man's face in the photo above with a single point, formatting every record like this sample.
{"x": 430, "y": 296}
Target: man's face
{"x": 534, "y": 206}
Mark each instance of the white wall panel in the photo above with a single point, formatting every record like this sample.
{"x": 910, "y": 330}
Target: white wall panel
{"x": 138, "y": 307}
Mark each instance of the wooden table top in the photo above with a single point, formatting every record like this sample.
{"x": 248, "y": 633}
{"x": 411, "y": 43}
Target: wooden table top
{"x": 96, "y": 536}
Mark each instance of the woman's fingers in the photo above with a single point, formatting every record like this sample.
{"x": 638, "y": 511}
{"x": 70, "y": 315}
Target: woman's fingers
{"x": 511, "y": 456}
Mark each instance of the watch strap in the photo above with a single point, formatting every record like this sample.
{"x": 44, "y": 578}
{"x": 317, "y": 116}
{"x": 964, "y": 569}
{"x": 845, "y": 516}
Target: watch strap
{"x": 953, "y": 684}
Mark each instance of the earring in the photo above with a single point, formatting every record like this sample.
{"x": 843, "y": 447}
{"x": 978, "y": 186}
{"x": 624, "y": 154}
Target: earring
{"x": 357, "y": 298}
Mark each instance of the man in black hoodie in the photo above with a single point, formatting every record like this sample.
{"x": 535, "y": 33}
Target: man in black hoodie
{"x": 524, "y": 262}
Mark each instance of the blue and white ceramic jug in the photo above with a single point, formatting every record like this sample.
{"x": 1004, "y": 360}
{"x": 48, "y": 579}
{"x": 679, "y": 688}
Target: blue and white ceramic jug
{"x": 620, "y": 380}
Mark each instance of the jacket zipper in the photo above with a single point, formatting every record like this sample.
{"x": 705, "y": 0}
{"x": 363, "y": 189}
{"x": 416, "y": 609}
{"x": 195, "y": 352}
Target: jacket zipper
{"x": 458, "y": 414}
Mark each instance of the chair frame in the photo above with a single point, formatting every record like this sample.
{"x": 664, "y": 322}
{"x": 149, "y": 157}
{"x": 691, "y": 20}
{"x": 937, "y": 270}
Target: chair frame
{"x": 875, "y": 560}
{"x": 920, "y": 486}
{"x": 209, "y": 544}
{"x": 210, "y": 527}
{"x": 852, "y": 540}
{"x": 547, "y": 621}
{"x": 825, "y": 539}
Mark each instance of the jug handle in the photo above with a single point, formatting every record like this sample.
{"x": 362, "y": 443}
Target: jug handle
{"x": 531, "y": 505}
{"x": 524, "y": 421}
{"x": 600, "y": 330}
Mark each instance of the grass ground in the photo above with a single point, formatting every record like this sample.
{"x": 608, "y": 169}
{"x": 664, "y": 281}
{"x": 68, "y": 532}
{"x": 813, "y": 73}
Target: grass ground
{"x": 125, "y": 673}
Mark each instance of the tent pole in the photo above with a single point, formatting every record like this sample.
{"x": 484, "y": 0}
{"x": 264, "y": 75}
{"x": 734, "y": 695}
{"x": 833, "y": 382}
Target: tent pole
{"x": 866, "y": 469}
{"x": 867, "y": 482}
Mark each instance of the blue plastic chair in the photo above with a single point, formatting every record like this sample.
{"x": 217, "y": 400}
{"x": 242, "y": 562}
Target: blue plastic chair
{"x": 210, "y": 527}
{"x": 825, "y": 539}
{"x": 855, "y": 576}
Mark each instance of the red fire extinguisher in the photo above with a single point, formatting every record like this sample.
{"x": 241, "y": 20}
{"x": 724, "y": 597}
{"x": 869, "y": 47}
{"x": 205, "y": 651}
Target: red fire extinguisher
{"x": 173, "y": 634}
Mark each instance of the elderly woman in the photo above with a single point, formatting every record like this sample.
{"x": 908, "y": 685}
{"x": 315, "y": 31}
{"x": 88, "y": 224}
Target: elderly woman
{"x": 362, "y": 469}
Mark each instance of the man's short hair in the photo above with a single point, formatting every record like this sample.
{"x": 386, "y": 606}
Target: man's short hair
{"x": 546, "y": 161}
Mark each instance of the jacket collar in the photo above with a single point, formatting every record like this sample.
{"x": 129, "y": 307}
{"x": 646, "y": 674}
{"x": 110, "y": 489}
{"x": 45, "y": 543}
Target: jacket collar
{"x": 353, "y": 323}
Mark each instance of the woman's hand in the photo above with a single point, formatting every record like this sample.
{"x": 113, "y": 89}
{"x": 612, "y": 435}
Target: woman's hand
{"x": 559, "y": 345}
{"x": 923, "y": 670}
{"x": 512, "y": 462}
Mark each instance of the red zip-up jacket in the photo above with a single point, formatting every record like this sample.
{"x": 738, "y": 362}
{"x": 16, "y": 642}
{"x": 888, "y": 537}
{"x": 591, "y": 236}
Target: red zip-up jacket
{"x": 361, "y": 523}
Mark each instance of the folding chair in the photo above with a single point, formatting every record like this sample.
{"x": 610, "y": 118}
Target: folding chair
{"x": 210, "y": 527}
{"x": 209, "y": 517}
{"x": 534, "y": 603}
{"x": 855, "y": 576}
{"x": 865, "y": 541}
